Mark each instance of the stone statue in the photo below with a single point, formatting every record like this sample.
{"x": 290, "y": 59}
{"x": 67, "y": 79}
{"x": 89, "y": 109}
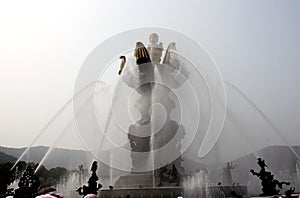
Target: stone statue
{"x": 154, "y": 48}
{"x": 168, "y": 175}
{"x": 288, "y": 193}
{"x": 174, "y": 175}
{"x": 269, "y": 184}
{"x": 227, "y": 177}
{"x": 261, "y": 163}
{"x": 143, "y": 76}
{"x": 92, "y": 186}
{"x": 146, "y": 78}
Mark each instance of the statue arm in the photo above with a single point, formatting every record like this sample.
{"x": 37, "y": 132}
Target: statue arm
{"x": 79, "y": 190}
{"x": 99, "y": 186}
{"x": 254, "y": 173}
{"x": 232, "y": 166}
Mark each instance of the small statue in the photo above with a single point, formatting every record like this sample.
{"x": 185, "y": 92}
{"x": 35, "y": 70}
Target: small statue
{"x": 92, "y": 186}
{"x": 261, "y": 163}
{"x": 154, "y": 48}
{"x": 227, "y": 178}
{"x": 163, "y": 175}
{"x": 94, "y": 167}
{"x": 269, "y": 184}
{"x": 168, "y": 175}
{"x": 288, "y": 193}
{"x": 174, "y": 175}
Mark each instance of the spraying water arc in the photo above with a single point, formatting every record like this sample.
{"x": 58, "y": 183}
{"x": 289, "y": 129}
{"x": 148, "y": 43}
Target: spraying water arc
{"x": 266, "y": 119}
{"x": 69, "y": 101}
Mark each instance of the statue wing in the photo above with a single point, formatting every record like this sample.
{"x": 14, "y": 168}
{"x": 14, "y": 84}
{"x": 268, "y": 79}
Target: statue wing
{"x": 123, "y": 58}
{"x": 141, "y": 54}
{"x": 167, "y": 58}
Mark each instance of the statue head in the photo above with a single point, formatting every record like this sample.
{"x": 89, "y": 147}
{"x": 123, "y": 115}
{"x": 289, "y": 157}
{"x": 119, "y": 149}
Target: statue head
{"x": 155, "y": 49}
{"x": 153, "y": 38}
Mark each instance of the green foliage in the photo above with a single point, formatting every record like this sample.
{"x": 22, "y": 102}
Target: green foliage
{"x": 19, "y": 169}
{"x": 47, "y": 177}
{"x": 51, "y": 177}
{"x": 6, "y": 176}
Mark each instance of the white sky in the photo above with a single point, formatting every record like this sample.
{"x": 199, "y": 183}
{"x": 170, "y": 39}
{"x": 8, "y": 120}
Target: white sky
{"x": 43, "y": 44}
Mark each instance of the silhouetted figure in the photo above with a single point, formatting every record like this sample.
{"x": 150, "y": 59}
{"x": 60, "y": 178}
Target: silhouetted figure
{"x": 160, "y": 184}
{"x": 82, "y": 173}
{"x": 269, "y": 184}
{"x": 288, "y": 193}
{"x": 174, "y": 175}
{"x": 94, "y": 167}
{"x": 163, "y": 175}
{"x": 110, "y": 187}
{"x": 261, "y": 163}
{"x": 92, "y": 186}
{"x": 227, "y": 178}
{"x": 168, "y": 175}
{"x": 28, "y": 185}
{"x": 154, "y": 48}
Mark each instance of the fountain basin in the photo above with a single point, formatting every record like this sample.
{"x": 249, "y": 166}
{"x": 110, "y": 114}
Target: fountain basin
{"x": 174, "y": 192}
{"x": 163, "y": 192}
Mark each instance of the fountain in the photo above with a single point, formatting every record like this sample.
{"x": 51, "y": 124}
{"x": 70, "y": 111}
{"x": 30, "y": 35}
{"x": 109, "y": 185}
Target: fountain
{"x": 145, "y": 135}
{"x": 154, "y": 83}
{"x": 165, "y": 126}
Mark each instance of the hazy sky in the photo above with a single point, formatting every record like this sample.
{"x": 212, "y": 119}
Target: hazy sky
{"x": 43, "y": 44}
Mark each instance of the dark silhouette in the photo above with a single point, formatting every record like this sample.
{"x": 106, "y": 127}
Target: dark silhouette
{"x": 288, "y": 193}
{"x": 94, "y": 167}
{"x": 174, "y": 175}
{"x": 110, "y": 187}
{"x": 261, "y": 163}
{"x": 269, "y": 184}
{"x": 168, "y": 175}
{"x": 28, "y": 185}
{"x": 92, "y": 186}
{"x": 162, "y": 175}
{"x": 7, "y": 176}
